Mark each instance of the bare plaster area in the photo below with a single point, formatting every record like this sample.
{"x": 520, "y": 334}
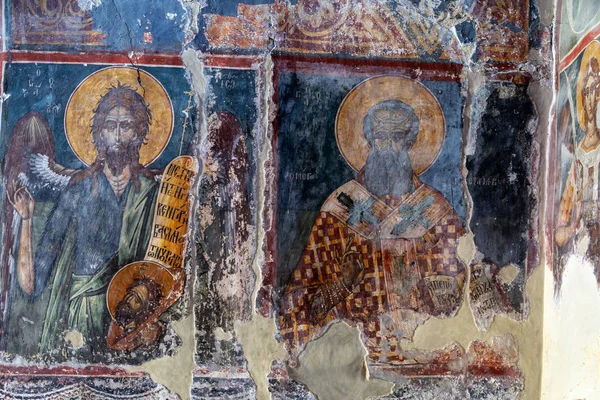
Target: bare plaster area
{"x": 334, "y": 367}
{"x": 257, "y": 337}
{"x": 572, "y": 337}
{"x": 175, "y": 373}
{"x": 75, "y": 339}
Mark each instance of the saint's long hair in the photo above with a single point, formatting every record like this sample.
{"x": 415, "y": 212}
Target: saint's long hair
{"x": 591, "y": 74}
{"x": 124, "y": 96}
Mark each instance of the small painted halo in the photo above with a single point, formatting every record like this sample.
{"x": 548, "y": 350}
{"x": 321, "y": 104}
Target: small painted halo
{"x": 592, "y": 50}
{"x": 126, "y": 276}
{"x": 353, "y": 110}
{"x": 85, "y": 98}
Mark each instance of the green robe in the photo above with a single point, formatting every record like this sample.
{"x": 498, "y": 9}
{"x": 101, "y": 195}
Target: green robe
{"x": 78, "y": 302}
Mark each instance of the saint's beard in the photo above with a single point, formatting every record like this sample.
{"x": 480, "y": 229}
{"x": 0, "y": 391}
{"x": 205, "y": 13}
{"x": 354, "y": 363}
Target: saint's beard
{"x": 388, "y": 172}
{"x": 119, "y": 157}
{"x": 124, "y": 315}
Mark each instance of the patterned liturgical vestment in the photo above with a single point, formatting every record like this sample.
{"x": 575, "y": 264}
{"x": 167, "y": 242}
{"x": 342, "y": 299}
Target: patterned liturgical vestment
{"x": 406, "y": 250}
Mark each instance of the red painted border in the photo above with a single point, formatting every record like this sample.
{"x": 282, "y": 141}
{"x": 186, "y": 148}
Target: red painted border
{"x": 431, "y": 71}
{"x": 163, "y": 59}
{"x": 167, "y": 59}
{"x": 579, "y": 47}
{"x": 300, "y": 63}
{"x": 229, "y": 61}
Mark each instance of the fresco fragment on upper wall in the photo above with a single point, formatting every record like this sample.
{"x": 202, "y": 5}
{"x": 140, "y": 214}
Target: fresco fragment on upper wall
{"x": 398, "y": 29}
{"x": 93, "y": 185}
{"x": 76, "y": 25}
{"x": 578, "y": 25}
{"x": 576, "y": 162}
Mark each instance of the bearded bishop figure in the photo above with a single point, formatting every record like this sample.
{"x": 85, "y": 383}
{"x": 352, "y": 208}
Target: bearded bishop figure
{"x": 382, "y": 253}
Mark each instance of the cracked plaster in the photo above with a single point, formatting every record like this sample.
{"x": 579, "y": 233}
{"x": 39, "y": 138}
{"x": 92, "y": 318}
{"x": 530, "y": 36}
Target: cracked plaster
{"x": 257, "y": 336}
{"x": 176, "y": 372}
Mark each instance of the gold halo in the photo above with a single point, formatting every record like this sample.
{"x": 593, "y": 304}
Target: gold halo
{"x": 124, "y": 278}
{"x": 351, "y": 114}
{"x": 593, "y": 50}
{"x": 85, "y": 98}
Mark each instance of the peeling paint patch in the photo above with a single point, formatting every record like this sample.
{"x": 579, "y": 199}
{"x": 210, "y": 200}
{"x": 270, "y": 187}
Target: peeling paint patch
{"x": 75, "y": 339}
{"x": 87, "y": 5}
{"x": 508, "y": 274}
{"x": 466, "y": 248}
{"x": 220, "y": 334}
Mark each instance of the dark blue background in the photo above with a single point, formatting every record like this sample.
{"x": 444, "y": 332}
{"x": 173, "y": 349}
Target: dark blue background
{"x": 308, "y": 105}
{"x": 66, "y": 77}
{"x": 124, "y": 23}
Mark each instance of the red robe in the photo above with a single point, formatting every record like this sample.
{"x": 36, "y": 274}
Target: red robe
{"x": 406, "y": 250}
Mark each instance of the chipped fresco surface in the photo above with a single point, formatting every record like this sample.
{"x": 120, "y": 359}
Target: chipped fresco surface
{"x": 225, "y": 199}
{"x": 572, "y": 203}
{"x": 575, "y": 141}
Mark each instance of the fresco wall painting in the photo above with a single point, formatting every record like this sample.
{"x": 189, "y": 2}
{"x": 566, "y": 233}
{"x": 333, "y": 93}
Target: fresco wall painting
{"x": 345, "y": 253}
{"x": 574, "y": 146}
{"x": 318, "y": 163}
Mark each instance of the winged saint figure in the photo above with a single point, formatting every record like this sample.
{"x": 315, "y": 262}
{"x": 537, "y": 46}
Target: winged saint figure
{"x": 69, "y": 231}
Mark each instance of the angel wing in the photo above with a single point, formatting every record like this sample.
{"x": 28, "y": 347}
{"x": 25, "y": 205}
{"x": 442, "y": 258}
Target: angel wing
{"x": 45, "y": 173}
{"x": 29, "y": 161}
{"x": 30, "y": 158}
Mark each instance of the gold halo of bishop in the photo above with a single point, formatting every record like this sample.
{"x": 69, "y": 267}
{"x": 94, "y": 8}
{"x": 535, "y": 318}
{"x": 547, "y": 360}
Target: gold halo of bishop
{"x": 349, "y": 122}
{"x": 85, "y": 98}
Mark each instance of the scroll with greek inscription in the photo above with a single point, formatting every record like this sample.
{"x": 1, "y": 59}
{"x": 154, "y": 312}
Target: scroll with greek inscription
{"x": 169, "y": 228}
{"x": 141, "y": 291}
{"x": 486, "y": 299}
